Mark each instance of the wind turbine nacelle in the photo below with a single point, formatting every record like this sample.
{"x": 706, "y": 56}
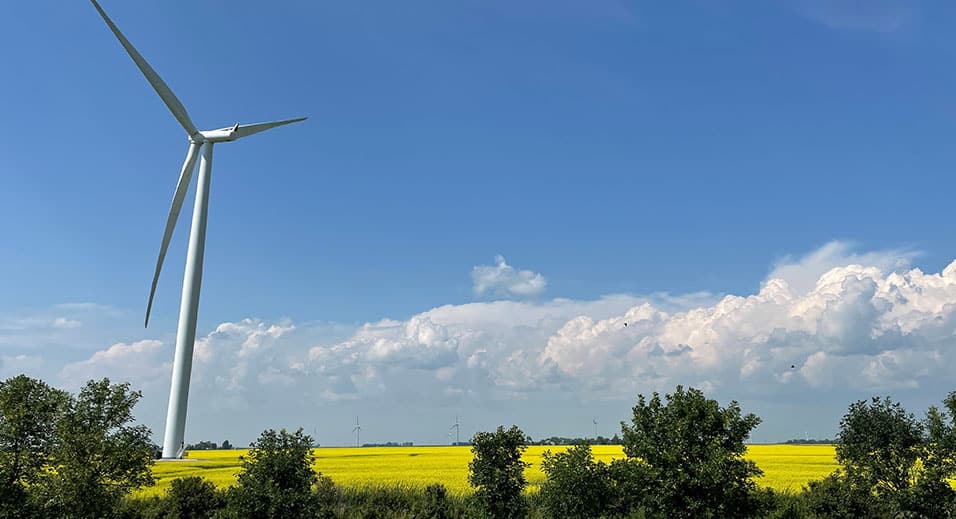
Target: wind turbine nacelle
{"x": 220, "y": 135}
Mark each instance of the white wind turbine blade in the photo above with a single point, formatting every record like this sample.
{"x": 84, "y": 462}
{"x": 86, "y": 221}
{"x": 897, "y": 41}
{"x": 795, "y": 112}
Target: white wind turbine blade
{"x": 245, "y": 130}
{"x": 172, "y": 102}
{"x": 181, "y": 188}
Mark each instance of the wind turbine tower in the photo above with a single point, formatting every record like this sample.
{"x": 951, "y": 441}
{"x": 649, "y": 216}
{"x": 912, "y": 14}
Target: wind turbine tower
{"x": 457, "y": 428}
{"x": 594, "y": 421}
{"x": 357, "y": 430}
{"x": 189, "y": 305}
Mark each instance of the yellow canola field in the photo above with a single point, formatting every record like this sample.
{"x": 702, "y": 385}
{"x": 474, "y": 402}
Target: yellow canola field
{"x": 786, "y": 467}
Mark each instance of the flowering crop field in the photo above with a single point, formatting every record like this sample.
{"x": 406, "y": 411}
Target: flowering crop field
{"x": 786, "y": 467}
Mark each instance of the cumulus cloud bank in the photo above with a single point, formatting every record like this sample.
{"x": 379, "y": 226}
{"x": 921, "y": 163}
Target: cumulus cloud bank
{"x": 864, "y": 326}
{"x": 875, "y": 326}
{"x": 503, "y": 280}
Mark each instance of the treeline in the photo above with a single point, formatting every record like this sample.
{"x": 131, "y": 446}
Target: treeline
{"x": 560, "y": 440}
{"x": 811, "y": 441}
{"x": 80, "y": 456}
{"x": 209, "y": 446}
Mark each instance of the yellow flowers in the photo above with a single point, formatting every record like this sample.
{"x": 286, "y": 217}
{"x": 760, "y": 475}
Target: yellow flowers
{"x": 785, "y": 466}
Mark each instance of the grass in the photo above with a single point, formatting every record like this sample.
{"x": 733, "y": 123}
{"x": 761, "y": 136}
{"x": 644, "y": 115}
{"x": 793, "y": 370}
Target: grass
{"x": 786, "y": 467}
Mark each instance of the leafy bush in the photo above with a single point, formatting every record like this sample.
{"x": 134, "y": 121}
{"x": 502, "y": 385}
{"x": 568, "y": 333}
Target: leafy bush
{"x": 276, "y": 479}
{"x": 435, "y": 505}
{"x": 497, "y": 472}
{"x": 576, "y": 485}
{"x": 631, "y": 488}
{"x": 193, "y": 498}
{"x": 837, "y": 497}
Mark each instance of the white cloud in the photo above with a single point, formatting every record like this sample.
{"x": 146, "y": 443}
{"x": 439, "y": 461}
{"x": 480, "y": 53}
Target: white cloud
{"x": 825, "y": 326}
{"x": 802, "y": 274}
{"x": 142, "y": 363}
{"x": 502, "y": 279}
{"x": 63, "y": 322}
{"x": 862, "y": 327}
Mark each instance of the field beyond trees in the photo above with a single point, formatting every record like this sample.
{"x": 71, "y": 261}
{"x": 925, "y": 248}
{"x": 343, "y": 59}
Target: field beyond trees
{"x": 786, "y": 467}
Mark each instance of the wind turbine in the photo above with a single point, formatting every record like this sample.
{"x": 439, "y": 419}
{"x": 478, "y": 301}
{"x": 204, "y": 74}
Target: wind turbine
{"x": 189, "y": 305}
{"x": 357, "y": 430}
{"x": 594, "y": 421}
{"x": 457, "y": 429}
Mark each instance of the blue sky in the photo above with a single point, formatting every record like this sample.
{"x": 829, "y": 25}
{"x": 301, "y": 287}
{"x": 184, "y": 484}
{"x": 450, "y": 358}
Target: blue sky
{"x": 617, "y": 150}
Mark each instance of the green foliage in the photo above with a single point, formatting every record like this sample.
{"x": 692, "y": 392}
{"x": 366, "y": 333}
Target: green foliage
{"x": 277, "y": 478}
{"x": 226, "y": 445}
{"x": 436, "y": 504}
{"x": 878, "y": 444}
{"x": 497, "y": 472}
{"x": 784, "y": 505}
{"x": 939, "y": 457}
{"x": 631, "y": 487}
{"x": 100, "y": 456}
{"x": 577, "y": 486}
{"x": 694, "y": 450}
{"x": 154, "y": 507}
{"x": 193, "y": 498}
{"x": 29, "y": 409}
{"x": 929, "y": 498}
{"x": 837, "y": 497}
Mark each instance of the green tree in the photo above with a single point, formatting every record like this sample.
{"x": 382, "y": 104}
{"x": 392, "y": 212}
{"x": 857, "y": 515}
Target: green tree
{"x": 202, "y": 446}
{"x": 193, "y": 498}
{"x": 277, "y": 478}
{"x": 878, "y": 445}
{"x": 694, "y": 449}
{"x": 100, "y": 456}
{"x": 497, "y": 472}
{"x": 29, "y": 409}
{"x": 226, "y": 445}
{"x": 576, "y": 485}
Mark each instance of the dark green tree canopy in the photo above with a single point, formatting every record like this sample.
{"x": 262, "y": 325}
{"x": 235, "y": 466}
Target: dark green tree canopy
{"x": 277, "y": 477}
{"x": 940, "y": 455}
{"x": 193, "y": 498}
{"x": 694, "y": 447}
{"x": 576, "y": 485}
{"x": 497, "y": 472}
{"x": 101, "y": 455}
{"x": 29, "y": 410}
{"x": 879, "y": 443}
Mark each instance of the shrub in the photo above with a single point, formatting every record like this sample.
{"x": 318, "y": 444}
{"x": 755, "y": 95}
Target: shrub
{"x": 576, "y": 485}
{"x": 435, "y": 505}
{"x": 836, "y": 497}
{"x": 193, "y": 498}
{"x": 631, "y": 488}
{"x": 276, "y": 479}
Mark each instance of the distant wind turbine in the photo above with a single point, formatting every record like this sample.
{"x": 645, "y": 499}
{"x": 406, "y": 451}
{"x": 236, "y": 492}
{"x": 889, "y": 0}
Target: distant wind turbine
{"x": 457, "y": 428}
{"x": 189, "y": 305}
{"x": 357, "y": 430}
{"x": 594, "y": 421}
